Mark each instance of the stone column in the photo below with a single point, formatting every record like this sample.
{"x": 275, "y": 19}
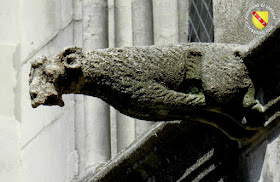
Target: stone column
{"x": 183, "y": 20}
{"x": 142, "y": 22}
{"x": 80, "y": 122}
{"x": 97, "y": 115}
{"x": 123, "y": 37}
{"x": 142, "y": 34}
{"x": 123, "y": 23}
{"x": 165, "y": 13}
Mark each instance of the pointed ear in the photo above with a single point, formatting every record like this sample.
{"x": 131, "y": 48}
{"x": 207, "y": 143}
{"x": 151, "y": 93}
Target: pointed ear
{"x": 71, "y": 57}
{"x": 72, "y": 61}
{"x": 71, "y": 50}
{"x": 38, "y": 61}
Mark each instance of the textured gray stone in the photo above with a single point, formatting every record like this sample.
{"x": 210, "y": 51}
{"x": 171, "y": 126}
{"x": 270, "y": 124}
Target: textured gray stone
{"x": 187, "y": 81}
{"x": 173, "y": 151}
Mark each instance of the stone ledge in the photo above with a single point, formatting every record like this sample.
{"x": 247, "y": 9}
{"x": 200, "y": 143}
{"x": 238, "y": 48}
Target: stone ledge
{"x": 160, "y": 154}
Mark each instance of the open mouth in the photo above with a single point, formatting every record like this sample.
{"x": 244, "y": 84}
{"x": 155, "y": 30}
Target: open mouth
{"x": 54, "y": 100}
{"x": 50, "y": 100}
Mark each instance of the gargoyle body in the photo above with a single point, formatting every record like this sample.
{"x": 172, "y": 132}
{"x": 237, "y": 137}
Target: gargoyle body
{"x": 172, "y": 82}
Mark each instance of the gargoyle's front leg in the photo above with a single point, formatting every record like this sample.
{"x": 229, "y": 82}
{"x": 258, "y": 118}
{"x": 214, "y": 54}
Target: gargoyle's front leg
{"x": 251, "y": 102}
{"x": 160, "y": 103}
{"x": 258, "y": 115}
{"x": 253, "y": 110}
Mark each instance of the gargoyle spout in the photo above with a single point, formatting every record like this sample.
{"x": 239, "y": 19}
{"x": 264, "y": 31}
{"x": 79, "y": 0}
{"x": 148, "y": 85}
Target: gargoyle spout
{"x": 42, "y": 84}
{"x": 171, "y": 82}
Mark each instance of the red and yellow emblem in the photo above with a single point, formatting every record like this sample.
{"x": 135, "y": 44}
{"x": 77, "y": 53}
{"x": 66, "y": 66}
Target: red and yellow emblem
{"x": 260, "y": 18}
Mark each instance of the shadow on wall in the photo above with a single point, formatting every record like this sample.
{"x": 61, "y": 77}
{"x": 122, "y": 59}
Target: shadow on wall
{"x": 174, "y": 151}
{"x": 260, "y": 162}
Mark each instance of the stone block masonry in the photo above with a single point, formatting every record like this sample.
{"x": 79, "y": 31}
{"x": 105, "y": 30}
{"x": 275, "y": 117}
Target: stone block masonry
{"x": 10, "y": 153}
{"x": 60, "y": 161}
{"x": 42, "y": 16}
{"x": 30, "y": 28}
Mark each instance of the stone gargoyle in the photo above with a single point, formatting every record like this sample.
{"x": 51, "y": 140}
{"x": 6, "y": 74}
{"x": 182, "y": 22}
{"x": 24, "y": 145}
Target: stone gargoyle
{"x": 226, "y": 85}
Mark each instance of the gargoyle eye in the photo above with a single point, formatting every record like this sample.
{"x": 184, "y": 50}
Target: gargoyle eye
{"x": 33, "y": 95}
{"x": 68, "y": 51}
{"x": 70, "y": 60}
{"x": 237, "y": 54}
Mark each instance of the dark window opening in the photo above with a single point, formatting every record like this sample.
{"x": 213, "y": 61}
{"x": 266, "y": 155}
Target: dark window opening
{"x": 201, "y": 27}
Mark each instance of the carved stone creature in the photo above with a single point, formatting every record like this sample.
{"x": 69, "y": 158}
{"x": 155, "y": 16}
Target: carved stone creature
{"x": 192, "y": 81}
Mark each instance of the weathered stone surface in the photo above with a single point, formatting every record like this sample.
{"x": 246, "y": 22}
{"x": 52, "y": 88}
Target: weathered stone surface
{"x": 165, "y": 22}
{"x": 141, "y": 88}
{"x": 66, "y": 12}
{"x": 123, "y": 23}
{"x": 60, "y": 161}
{"x": 228, "y": 30}
{"x": 10, "y": 160}
{"x": 9, "y": 22}
{"x": 142, "y": 23}
{"x": 8, "y": 70}
{"x": 155, "y": 69}
{"x": 34, "y": 121}
{"x": 188, "y": 151}
{"x": 164, "y": 82}
{"x": 47, "y": 24}
{"x": 97, "y": 114}
{"x": 166, "y": 153}
{"x": 261, "y": 162}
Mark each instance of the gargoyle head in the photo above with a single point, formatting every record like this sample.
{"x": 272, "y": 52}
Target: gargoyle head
{"x": 46, "y": 76}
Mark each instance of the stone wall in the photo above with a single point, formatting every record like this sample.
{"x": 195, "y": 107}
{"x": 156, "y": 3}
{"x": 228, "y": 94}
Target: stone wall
{"x": 38, "y": 145}
{"x": 260, "y": 162}
{"x": 9, "y": 123}
{"x": 63, "y": 144}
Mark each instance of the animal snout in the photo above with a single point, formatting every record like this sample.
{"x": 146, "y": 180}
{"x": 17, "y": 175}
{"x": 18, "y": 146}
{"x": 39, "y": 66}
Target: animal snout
{"x": 33, "y": 95}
